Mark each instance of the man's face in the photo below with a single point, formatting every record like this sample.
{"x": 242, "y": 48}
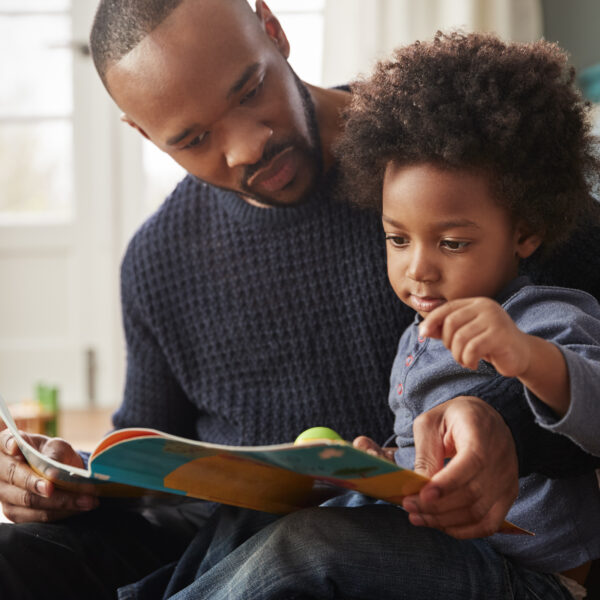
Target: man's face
{"x": 215, "y": 92}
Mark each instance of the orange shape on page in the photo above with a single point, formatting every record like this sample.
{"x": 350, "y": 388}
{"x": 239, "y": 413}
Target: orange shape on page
{"x": 233, "y": 480}
{"x": 391, "y": 487}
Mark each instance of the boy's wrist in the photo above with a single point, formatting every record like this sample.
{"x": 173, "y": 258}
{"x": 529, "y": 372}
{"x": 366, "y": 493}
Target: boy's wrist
{"x": 546, "y": 374}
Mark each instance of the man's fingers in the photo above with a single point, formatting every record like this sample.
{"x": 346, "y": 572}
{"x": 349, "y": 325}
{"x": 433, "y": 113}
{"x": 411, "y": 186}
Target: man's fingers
{"x": 20, "y": 514}
{"x": 18, "y": 474}
{"x": 448, "y": 511}
{"x": 488, "y": 525}
{"x": 61, "y": 451}
{"x": 20, "y": 504}
{"x": 8, "y": 444}
{"x": 429, "y": 444}
{"x": 463, "y": 513}
{"x": 452, "y": 490}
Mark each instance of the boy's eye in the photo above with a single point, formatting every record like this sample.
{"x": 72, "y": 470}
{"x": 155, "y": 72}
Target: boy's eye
{"x": 454, "y": 245}
{"x": 398, "y": 241}
{"x": 196, "y": 141}
{"x": 252, "y": 93}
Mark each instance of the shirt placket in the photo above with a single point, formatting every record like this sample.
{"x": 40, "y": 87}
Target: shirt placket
{"x": 418, "y": 347}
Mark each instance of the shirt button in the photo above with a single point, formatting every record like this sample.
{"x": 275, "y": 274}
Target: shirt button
{"x": 400, "y": 389}
{"x": 421, "y": 339}
{"x": 409, "y": 360}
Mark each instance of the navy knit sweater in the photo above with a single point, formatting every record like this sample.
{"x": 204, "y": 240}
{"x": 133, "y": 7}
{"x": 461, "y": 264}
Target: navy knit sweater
{"x": 247, "y": 325}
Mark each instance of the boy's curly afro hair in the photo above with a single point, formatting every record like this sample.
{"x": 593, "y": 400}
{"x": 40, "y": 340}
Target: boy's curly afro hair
{"x": 473, "y": 102}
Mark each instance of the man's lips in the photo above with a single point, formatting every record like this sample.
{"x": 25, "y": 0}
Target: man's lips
{"x": 425, "y": 303}
{"x": 277, "y": 174}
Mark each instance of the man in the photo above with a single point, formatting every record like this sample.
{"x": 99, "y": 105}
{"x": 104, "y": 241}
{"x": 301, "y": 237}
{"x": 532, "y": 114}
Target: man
{"x": 255, "y": 305}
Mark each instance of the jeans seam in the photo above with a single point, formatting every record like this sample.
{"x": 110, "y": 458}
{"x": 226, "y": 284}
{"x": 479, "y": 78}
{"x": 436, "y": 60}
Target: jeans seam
{"x": 507, "y": 577}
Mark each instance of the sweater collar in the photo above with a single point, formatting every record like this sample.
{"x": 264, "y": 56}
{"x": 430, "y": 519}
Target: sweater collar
{"x": 243, "y": 212}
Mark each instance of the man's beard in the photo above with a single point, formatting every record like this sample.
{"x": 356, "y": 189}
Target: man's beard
{"x": 311, "y": 149}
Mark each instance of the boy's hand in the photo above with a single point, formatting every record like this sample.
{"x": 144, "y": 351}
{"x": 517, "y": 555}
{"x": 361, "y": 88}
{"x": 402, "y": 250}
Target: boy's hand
{"x": 362, "y": 442}
{"x": 475, "y": 329}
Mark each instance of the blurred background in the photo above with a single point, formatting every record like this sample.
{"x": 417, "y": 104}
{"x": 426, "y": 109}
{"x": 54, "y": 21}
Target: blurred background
{"x": 75, "y": 182}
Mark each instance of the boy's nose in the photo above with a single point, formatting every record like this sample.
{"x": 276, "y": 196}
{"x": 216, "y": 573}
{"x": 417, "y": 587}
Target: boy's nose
{"x": 245, "y": 142}
{"x": 421, "y": 267}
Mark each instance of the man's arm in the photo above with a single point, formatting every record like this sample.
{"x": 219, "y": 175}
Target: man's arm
{"x": 152, "y": 398}
{"x": 538, "y": 450}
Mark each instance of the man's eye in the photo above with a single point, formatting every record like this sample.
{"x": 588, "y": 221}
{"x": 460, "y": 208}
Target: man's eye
{"x": 197, "y": 141}
{"x": 398, "y": 241}
{"x": 252, "y": 93}
{"x": 454, "y": 245}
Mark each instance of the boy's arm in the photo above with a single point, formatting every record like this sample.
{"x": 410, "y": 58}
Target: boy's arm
{"x": 546, "y": 374}
{"x": 475, "y": 329}
{"x": 538, "y": 449}
{"x": 580, "y": 421}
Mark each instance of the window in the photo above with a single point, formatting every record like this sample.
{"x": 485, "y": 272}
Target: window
{"x": 35, "y": 111}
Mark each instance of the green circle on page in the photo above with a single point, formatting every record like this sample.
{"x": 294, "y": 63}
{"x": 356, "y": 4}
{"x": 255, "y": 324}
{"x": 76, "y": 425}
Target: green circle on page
{"x": 317, "y": 433}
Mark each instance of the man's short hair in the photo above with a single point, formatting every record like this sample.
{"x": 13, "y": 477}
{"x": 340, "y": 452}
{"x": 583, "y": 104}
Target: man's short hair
{"x": 120, "y": 25}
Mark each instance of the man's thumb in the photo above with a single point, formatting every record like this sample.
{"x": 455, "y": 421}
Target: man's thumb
{"x": 429, "y": 446}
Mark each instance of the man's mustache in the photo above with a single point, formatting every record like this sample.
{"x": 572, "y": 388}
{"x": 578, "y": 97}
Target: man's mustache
{"x": 269, "y": 153}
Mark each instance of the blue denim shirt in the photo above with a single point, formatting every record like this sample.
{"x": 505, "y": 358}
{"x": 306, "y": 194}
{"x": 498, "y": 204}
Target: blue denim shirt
{"x": 564, "y": 514}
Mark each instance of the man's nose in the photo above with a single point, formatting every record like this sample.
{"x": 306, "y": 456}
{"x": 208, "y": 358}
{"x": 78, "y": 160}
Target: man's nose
{"x": 245, "y": 142}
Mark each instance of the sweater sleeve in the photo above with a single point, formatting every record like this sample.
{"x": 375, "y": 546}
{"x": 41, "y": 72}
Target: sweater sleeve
{"x": 581, "y": 423}
{"x": 539, "y": 450}
{"x": 153, "y": 398}
{"x": 576, "y": 264}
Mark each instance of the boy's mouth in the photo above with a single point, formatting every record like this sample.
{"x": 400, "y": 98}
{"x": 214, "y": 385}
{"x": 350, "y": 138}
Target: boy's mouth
{"x": 424, "y": 303}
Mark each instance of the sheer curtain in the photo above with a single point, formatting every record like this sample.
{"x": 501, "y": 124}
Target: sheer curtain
{"x": 357, "y": 32}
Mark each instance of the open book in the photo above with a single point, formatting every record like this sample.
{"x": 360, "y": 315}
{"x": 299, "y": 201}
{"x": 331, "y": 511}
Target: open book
{"x": 277, "y": 478}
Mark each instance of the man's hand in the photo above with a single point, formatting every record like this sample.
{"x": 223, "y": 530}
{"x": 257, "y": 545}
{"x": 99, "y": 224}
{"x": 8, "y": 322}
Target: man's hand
{"x": 471, "y": 495}
{"x": 479, "y": 328}
{"x": 27, "y": 497}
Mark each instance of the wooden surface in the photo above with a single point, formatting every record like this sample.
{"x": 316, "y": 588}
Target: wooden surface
{"x": 83, "y": 429}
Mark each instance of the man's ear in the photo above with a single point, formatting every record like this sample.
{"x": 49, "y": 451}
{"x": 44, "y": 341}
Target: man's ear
{"x": 131, "y": 123}
{"x": 526, "y": 242}
{"x": 273, "y": 28}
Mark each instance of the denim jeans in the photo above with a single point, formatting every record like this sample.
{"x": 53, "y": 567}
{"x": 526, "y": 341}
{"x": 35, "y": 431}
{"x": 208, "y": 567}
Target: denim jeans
{"x": 366, "y": 552}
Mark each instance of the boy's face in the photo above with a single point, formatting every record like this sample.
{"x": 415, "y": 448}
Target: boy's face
{"x": 446, "y": 236}
{"x": 211, "y": 87}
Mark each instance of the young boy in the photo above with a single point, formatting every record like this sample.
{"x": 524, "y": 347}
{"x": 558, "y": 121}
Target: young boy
{"x": 478, "y": 155}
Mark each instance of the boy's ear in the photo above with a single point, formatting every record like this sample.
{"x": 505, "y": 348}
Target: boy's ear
{"x": 526, "y": 242}
{"x": 273, "y": 28}
{"x": 125, "y": 118}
